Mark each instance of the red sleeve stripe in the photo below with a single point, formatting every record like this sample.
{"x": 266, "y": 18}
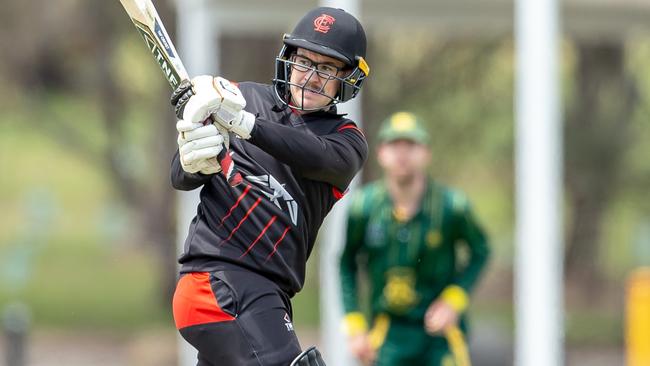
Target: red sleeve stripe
{"x": 337, "y": 193}
{"x": 350, "y": 126}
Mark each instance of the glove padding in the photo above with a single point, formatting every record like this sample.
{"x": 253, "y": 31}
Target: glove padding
{"x": 206, "y": 96}
{"x": 197, "y": 101}
{"x": 231, "y": 115}
{"x": 198, "y": 147}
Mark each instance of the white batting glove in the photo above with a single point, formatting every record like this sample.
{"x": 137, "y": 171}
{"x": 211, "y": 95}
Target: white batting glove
{"x": 198, "y": 147}
{"x": 205, "y": 100}
{"x": 221, "y": 99}
{"x": 231, "y": 114}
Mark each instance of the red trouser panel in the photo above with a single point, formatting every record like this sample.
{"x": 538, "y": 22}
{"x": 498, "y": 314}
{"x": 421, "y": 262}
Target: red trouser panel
{"x": 194, "y": 303}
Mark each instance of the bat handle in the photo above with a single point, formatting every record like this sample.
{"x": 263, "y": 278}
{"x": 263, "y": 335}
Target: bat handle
{"x": 228, "y": 168}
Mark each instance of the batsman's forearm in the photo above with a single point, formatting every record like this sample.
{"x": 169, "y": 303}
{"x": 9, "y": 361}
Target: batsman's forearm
{"x": 333, "y": 158}
{"x": 184, "y": 181}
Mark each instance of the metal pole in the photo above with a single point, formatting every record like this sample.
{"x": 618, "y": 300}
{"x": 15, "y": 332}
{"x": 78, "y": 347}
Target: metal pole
{"x": 15, "y": 324}
{"x": 199, "y": 49}
{"x": 538, "y": 279}
{"x": 332, "y": 237}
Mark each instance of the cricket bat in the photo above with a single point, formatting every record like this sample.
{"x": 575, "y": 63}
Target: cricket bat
{"x": 147, "y": 21}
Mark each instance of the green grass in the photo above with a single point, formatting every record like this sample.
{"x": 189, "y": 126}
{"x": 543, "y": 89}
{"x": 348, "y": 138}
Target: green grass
{"x": 59, "y": 251}
{"x": 306, "y": 304}
{"x": 84, "y": 286}
{"x": 582, "y": 327}
{"x": 46, "y": 179}
{"x": 594, "y": 328}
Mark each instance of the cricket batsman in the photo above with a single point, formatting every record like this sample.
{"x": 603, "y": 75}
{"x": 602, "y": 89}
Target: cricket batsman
{"x": 245, "y": 255}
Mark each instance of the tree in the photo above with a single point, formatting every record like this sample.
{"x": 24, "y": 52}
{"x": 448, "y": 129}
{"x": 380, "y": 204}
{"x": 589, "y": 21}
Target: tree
{"x": 597, "y": 138}
{"x": 77, "y": 61}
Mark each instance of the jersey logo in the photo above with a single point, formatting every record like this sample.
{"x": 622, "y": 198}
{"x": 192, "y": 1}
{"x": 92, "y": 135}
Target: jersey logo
{"x": 399, "y": 292}
{"x": 323, "y": 23}
{"x": 288, "y": 323}
{"x": 275, "y": 192}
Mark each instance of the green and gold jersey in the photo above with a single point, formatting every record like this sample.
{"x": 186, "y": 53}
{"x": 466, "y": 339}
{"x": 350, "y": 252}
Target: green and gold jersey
{"x": 440, "y": 251}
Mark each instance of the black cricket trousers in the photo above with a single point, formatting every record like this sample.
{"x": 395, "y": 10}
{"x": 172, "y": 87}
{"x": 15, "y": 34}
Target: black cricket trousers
{"x": 235, "y": 318}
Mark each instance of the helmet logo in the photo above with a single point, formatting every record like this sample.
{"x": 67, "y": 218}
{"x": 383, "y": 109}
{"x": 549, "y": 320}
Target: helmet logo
{"x": 323, "y": 23}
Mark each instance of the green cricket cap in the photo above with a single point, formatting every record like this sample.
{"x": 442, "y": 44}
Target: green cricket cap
{"x": 403, "y": 125}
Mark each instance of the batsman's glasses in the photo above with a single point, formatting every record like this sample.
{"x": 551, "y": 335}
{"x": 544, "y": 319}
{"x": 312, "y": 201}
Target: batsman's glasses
{"x": 324, "y": 70}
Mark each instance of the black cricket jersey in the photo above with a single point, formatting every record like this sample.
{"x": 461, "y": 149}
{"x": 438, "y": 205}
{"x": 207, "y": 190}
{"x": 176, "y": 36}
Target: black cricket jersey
{"x": 294, "y": 167}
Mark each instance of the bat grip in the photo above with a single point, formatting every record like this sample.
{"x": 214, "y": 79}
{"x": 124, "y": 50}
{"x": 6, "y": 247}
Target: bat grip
{"x": 228, "y": 168}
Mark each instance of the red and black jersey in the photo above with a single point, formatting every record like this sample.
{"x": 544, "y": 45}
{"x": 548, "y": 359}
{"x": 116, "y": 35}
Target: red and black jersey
{"x": 294, "y": 167}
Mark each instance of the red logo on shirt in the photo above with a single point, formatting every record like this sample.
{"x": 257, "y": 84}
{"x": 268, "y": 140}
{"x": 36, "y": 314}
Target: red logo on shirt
{"x": 323, "y": 23}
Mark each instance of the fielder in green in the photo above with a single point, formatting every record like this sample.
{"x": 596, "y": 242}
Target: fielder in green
{"x": 422, "y": 251}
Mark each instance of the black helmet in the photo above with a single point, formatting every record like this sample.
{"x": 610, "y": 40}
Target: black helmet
{"x": 330, "y": 32}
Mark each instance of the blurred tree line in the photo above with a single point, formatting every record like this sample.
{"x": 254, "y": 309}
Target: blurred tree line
{"x": 87, "y": 57}
{"x": 79, "y": 54}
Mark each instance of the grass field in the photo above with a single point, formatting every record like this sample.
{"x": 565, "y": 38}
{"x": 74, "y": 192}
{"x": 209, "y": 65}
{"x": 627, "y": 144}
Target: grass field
{"x": 64, "y": 243}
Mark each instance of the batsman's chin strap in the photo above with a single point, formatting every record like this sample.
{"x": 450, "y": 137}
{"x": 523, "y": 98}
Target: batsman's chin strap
{"x": 308, "y": 357}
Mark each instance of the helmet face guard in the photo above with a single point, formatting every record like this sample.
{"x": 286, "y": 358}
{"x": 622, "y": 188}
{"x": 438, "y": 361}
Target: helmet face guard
{"x": 329, "y": 32}
{"x": 349, "y": 85}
